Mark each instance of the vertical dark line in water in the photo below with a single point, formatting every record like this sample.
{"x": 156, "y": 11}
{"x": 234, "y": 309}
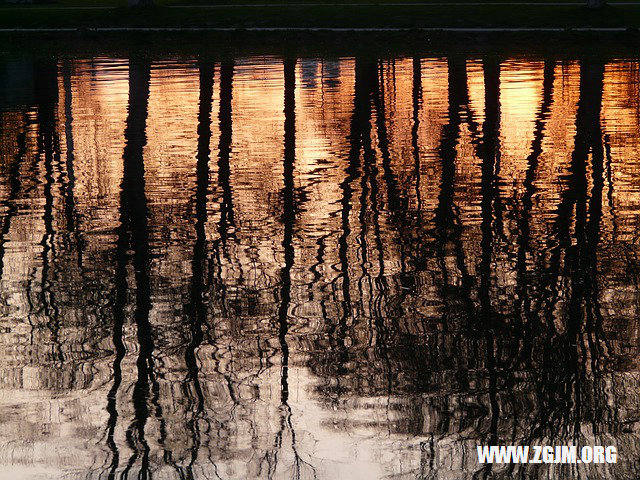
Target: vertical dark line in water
{"x": 288, "y": 220}
{"x": 360, "y": 107}
{"x": 458, "y": 102}
{"x": 447, "y": 231}
{"x": 69, "y": 191}
{"x": 197, "y": 308}
{"x": 467, "y": 280}
{"x": 583, "y": 258}
{"x": 490, "y": 153}
{"x": 414, "y": 247}
{"x": 565, "y": 369}
{"x": 226, "y": 225}
{"x": 122, "y": 245}
{"x": 416, "y": 96}
{"x": 67, "y": 187}
{"x": 474, "y": 127}
{"x": 317, "y": 277}
{"x": 370, "y": 168}
{"x": 445, "y": 223}
{"x": 123, "y": 242}
{"x": 592, "y": 240}
{"x": 394, "y": 197}
{"x": 368, "y": 159}
{"x": 577, "y": 191}
{"x": 134, "y": 204}
{"x": 224, "y": 149}
{"x": 48, "y": 146}
{"x": 225, "y": 125}
{"x": 594, "y": 75}
{"x": 559, "y": 362}
{"x": 610, "y": 199}
{"x": 523, "y": 295}
{"x": 370, "y": 172}
{"x": 68, "y": 122}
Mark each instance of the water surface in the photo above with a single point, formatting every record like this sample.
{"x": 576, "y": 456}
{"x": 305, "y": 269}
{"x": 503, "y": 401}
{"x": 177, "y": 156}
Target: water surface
{"x": 295, "y": 268}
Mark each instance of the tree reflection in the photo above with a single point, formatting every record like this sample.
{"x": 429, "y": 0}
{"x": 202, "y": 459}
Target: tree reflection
{"x": 426, "y": 286}
{"x": 134, "y": 229}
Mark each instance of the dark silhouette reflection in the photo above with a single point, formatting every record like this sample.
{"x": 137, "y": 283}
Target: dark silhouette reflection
{"x": 288, "y": 220}
{"x": 524, "y": 302}
{"x": 224, "y": 149}
{"x": 574, "y": 256}
{"x": 416, "y": 96}
{"x": 490, "y": 210}
{"x": 197, "y": 306}
{"x": 268, "y": 268}
{"x": 49, "y": 152}
{"x": 133, "y": 235}
{"x": 447, "y": 232}
{"x": 71, "y": 214}
{"x": 360, "y": 126}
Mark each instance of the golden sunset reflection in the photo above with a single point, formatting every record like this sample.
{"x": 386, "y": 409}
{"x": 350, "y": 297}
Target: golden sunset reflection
{"x": 279, "y": 268}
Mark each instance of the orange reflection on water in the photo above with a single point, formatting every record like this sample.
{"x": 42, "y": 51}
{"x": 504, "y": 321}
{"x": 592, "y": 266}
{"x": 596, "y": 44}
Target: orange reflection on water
{"x": 343, "y": 265}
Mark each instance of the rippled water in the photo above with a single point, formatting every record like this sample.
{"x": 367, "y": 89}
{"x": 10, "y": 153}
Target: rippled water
{"x": 317, "y": 267}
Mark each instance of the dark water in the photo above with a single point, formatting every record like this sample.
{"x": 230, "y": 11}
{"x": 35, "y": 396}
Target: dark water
{"x": 317, "y": 268}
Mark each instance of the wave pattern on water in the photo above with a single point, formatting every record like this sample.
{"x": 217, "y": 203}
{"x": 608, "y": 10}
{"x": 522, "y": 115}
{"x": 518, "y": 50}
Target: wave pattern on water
{"x": 304, "y": 268}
